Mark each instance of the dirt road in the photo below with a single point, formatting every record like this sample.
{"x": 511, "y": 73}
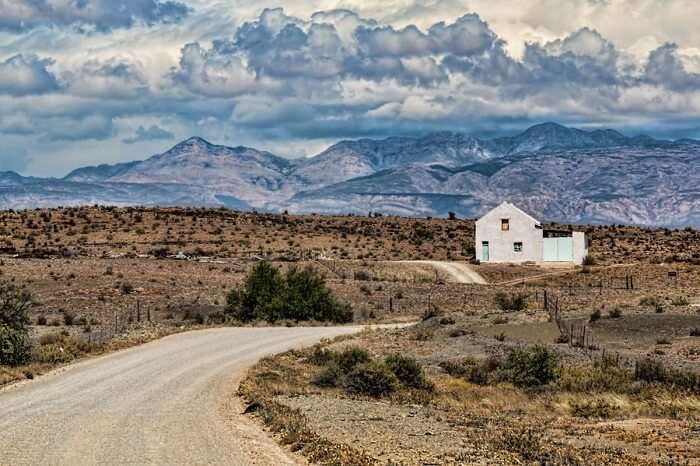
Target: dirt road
{"x": 458, "y": 272}
{"x": 169, "y": 402}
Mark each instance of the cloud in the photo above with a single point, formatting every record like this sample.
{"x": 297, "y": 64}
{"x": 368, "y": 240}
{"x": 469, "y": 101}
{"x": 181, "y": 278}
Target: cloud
{"x": 23, "y": 75}
{"x": 102, "y": 15}
{"x": 310, "y": 73}
{"x": 213, "y": 74}
{"x": 154, "y": 133}
{"x": 113, "y": 79}
{"x": 666, "y": 69}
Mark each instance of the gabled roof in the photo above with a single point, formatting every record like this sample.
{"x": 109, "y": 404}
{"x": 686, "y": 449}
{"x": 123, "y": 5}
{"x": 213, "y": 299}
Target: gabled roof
{"x": 514, "y": 207}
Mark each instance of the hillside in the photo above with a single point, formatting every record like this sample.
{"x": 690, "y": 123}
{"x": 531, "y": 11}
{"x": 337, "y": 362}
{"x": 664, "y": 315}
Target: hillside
{"x": 558, "y": 173}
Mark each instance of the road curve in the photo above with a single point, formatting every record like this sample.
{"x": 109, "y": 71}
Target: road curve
{"x": 162, "y": 403}
{"x": 458, "y": 272}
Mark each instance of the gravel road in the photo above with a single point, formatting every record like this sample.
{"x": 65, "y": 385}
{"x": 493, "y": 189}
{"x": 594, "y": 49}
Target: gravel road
{"x": 169, "y": 402}
{"x": 459, "y": 272}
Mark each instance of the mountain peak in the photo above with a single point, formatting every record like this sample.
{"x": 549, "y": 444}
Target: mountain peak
{"x": 194, "y": 141}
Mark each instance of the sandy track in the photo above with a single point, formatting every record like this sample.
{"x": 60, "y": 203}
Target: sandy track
{"x": 458, "y": 272}
{"x": 169, "y": 402}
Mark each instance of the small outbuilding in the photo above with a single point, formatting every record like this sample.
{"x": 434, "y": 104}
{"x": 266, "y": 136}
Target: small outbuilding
{"x": 507, "y": 234}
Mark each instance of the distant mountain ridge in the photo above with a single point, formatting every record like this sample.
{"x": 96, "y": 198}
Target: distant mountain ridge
{"x": 559, "y": 173}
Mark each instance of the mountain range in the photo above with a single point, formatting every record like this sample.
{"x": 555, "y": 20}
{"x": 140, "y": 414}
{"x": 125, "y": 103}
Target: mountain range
{"x": 555, "y": 172}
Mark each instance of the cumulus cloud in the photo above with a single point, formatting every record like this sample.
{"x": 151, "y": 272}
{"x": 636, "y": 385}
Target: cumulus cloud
{"x": 665, "y": 68}
{"x": 153, "y": 133}
{"x": 308, "y": 74}
{"x": 113, "y": 79}
{"x": 104, "y": 15}
{"x": 213, "y": 74}
{"x": 23, "y": 75}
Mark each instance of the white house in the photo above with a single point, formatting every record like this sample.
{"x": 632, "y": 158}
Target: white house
{"x": 507, "y": 234}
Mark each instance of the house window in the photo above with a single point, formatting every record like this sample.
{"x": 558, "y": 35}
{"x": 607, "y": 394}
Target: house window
{"x": 505, "y": 224}
{"x": 518, "y": 247}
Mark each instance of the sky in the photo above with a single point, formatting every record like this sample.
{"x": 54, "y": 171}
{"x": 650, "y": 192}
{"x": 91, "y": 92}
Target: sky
{"x": 85, "y": 82}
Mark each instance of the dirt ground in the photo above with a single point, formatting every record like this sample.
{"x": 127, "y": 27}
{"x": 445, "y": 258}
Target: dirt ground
{"x": 464, "y": 423}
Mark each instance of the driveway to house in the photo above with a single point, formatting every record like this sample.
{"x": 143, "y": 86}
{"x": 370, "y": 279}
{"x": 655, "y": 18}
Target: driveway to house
{"x": 458, "y": 272}
{"x": 168, "y": 402}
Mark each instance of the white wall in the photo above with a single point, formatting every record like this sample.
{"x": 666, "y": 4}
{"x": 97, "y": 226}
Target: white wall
{"x": 580, "y": 247}
{"x": 522, "y": 229}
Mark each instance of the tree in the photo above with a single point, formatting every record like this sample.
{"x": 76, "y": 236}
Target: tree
{"x": 300, "y": 294}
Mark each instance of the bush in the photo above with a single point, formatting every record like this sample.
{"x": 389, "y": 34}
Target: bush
{"x": 599, "y": 378}
{"x": 408, "y": 371}
{"x": 68, "y": 318}
{"x": 350, "y": 358}
{"x": 372, "y": 379}
{"x": 589, "y": 260}
{"x": 14, "y": 306}
{"x": 515, "y": 302}
{"x": 596, "y": 408}
{"x": 615, "y": 313}
{"x": 270, "y": 295}
{"x": 480, "y": 373}
{"x": 680, "y": 301}
{"x": 648, "y": 301}
{"x": 330, "y": 376}
{"x": 15, "y": 346}
{"x": 531, "y": 367}
{"x": 695, "y": 332}
{"x": 595, "y": 315}
{"x": 41, "y": 320}
{"x": 650, "y": 370}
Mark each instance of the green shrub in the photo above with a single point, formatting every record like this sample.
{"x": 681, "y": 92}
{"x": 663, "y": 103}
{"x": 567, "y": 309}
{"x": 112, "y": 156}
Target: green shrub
{"x": 330, "y": 376}
{"x": 300, "y": 294}
{"x": 350, "y": 358}
{"x": 531, "y": 367}
{"x": 477, "y": 372}
{"x": 372, "y": 379}
{"x": 14, "y": 306}
{"x": 514, "y": 302}
{"x": 408, "y": 371}
{"x": 650, "y": 370}
{"x": 15, "y": 346}
{"x": 589, "y": 260}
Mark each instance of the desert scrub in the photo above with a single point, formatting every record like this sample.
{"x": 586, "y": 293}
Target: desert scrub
{"x": 408, "y": 371}
{"x": 373, "y": 379}
{"x": 514, "y": 302}
{"x": 299, "y": 295}
{"x": 593, "y": 378}
{"x": 15, "y": 347}
{"x": 593, "y": 408}
{"x": 61, "y": 347}
{"x": 280, "y": 375}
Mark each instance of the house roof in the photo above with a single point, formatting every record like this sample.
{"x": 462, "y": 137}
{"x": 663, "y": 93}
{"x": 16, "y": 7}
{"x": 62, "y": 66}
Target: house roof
{"x": 513, "y": 207}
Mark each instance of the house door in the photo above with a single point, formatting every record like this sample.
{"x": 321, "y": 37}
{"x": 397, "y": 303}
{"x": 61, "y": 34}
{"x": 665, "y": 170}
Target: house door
{"x": 485, "y": 251}
{"x": 558, "y": 249}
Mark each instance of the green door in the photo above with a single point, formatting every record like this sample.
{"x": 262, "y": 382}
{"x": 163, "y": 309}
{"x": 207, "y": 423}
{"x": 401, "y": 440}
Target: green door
{"x": 485, "y": 251}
